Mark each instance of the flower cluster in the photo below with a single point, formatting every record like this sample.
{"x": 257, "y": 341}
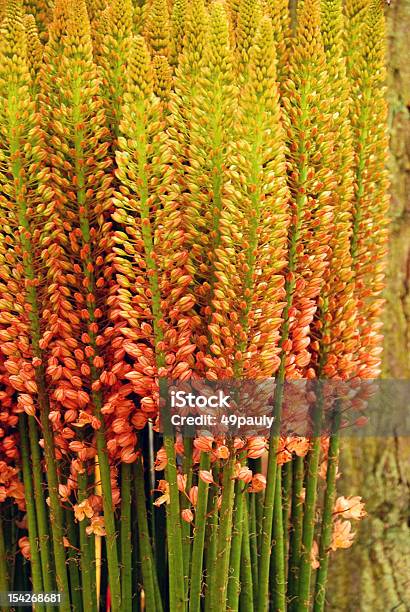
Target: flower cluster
{"x": 188, "y": 191}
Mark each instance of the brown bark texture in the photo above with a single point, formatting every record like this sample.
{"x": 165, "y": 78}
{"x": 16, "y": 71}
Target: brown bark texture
{"x": 374, "y": 575}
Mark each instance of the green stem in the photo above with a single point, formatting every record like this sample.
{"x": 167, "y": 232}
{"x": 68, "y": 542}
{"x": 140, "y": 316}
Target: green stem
{"x": 199, "y": 538}
{"x": 296, "y": 532}
{"x": 97, "y": 401}
{"x": 186, "y": 527}
{"x": 212, "y": 540}
{"x": 286, "y": 502}
{"x": 41, "y": 511}
{"x": 246, "y": 598}
{"x": 73, "y": 561}
{"x": 126, "y": 549}
{"x": 236, "y": 547}
{"x": 327, "y": 518}
{"x": 219, "y": 586}
{"x": 253, "y": 543}
{"x": 278, "y": 550}
{"x": 305, "y": 567}
{"x": 36, "y": 574}
{"x": 267, "y": 520}
{"x": 109, "y": 519}
{"x": 56, "y": 513}
{"x": 151, "y": 590}
{"x": 175, "y": 556}
{"x": 136, "y": 558}
{"x": 175, "y": 552}
{"x": 4, "y": 573}
{"x": 87, "y": 559}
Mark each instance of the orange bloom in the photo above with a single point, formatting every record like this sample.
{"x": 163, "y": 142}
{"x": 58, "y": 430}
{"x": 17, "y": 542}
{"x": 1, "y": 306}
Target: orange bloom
{"x": 222, "y": 452}
{"x": 204, "y": 443}
{"x": 64, "y": 492}
{"x": 83, "y": 510}
{"x": 193, "y": 495}
{"x": 298, "y": 445}
{"x": 314, "y": 555}
{"x": 243, "y": 473}
{"x": 96, "y": 527}
{"x": 350, "y": 507}
{"x": 187, "y": 515}
{"x": 342, "y": 536}
{"x": 163, "y": 486}
{"x": 24, "y": 545}
{"x": 206, "y": 476}
{"x": 256, "y": 447}
{"x": 161, "y": 460}
{"x": 181, "y": 479}
{"x": 258, "y": 484}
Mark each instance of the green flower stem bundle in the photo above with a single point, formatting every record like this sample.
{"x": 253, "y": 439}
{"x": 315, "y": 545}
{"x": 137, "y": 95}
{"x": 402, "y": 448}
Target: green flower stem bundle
{"x": 191, "y": 192}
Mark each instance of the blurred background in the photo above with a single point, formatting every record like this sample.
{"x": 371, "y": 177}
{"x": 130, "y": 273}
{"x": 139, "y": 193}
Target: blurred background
{"x": 374, "y": 574}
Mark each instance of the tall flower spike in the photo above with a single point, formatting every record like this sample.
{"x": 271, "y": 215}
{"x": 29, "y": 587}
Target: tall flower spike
{"x": 258, "y": 251}
{"x": 233, "y": 8}
{"x": 355, "y": 17}
{"x": 206, "y": 177}
{"x": 191, "y": 61}
{"x": 336, "y": 336}
{"x": 96, "y": 13}
{"x": 192, "y": 57}
{"x": 149, "y": 305}
{"x": 151, "y": 298}
{"x": 34, "y": 50}
{"x": 21, "y": 157}
{"x": 280, "y": 15}
{"x": 157, "y": 28}
{"x": 248, "y": 18}
{"x": 140, "y": 14}
{"x": 371, "y": 201}
{"x": 116, "y": 44}
{"x": 307, "y": 106}
{"x": 76, "y": 253}
{"x": 162, "y": 77}
{"x": 42, "y": 11}
{"x": 178, "y": 18}
{"x": 94, "y": 10}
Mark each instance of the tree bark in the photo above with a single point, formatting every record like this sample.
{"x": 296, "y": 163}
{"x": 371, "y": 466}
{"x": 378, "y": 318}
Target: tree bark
{"x": 374, "y": 574}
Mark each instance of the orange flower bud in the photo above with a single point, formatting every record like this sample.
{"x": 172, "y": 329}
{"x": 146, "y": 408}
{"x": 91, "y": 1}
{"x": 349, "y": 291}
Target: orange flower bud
{"x": 187, "y": 515}
{"x": 193, "y": 495}
{"x": 204, "y": 443}
{"x": 206, "y": 476}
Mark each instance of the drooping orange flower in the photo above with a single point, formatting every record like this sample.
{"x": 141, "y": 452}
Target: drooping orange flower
{"x": 193, "y": 495}
{"x": 314, "y": 556}
{"x": 256, "y": 447}
{"x": 83, "y": 510}
{"x": 206, "y": 476}
{"x": 163, "y": 486}
{"x": 187, "y": 515}
{"x": 258, "y": 484}
{"x": 342, "y": 536}
{"x": 96, "y": 526}
{"x": 350, "y": 507}
{"x": 161, "y": 460}
{"x": 24, "y": 545}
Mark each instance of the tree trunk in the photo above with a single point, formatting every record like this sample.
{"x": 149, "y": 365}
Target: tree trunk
{"x": 375, "y": 573}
